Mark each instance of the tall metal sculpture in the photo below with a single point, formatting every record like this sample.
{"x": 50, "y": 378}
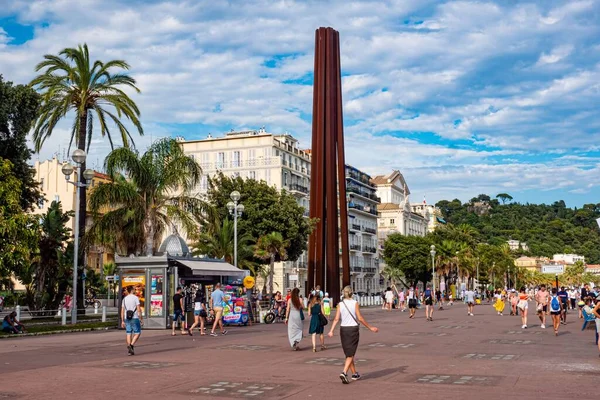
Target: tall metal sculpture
{"x": 328, "y": 175}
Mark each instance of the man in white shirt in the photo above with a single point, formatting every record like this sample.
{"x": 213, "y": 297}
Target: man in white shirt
{"x": 130, "y": 317}
{"x": 470, "y": 298}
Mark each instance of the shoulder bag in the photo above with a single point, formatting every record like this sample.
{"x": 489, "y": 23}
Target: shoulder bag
{"x": 352, "y": 315}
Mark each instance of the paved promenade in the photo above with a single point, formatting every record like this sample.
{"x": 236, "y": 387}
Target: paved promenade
{"x": 455, "y": 356}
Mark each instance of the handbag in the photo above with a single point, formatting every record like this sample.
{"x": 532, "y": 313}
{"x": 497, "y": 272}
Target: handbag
{"x": 322, "y": 320}
{"x": 301, "y": 315}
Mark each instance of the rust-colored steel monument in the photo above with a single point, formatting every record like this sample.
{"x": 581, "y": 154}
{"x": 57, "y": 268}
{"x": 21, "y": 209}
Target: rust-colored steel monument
{"x": 328, "y": 176}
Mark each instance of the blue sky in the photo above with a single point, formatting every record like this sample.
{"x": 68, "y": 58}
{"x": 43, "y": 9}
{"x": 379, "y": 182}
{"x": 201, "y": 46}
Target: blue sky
{"x": 464, "y": 97}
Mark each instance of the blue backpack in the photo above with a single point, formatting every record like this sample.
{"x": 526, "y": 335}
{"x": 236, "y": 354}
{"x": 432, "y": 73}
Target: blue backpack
{"x": 554, "y": 304}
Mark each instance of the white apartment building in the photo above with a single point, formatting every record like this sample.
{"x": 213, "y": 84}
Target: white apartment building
{"x": 568, "y": 259}
{"x": 395, "y": 212}
{"x": 275, "y": 159}
{"x": 362, "y": 229}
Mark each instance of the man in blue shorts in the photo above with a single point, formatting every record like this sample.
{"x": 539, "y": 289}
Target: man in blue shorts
{"x": 130, "y": 317}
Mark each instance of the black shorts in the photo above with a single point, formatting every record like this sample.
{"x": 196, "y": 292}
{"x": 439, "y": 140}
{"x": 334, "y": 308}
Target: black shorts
{"x": 412, "y": 303}
{"x": 428, "y": 301}
{"x": 555, "y": 312}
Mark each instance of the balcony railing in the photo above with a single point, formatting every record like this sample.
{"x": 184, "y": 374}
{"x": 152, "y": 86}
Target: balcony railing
{"x": 370, "y": 230}
{"x": 359, "y": 207}
{"x": 364, "y": 179}
{"x": 354, "y": 246}
{"x": 255, "y": 162}
{"x": 369, "y": 270}
{"x": 355, "y": 268}
{"x": 369, "y": 249}
{"x": 356, "y": 227}
{"x": 363, "y": 193}
{"x": 298, "y": 188}
{"x": 301, "y": 265}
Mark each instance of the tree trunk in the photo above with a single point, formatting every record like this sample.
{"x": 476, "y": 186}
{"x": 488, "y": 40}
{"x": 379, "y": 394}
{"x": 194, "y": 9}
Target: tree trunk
{"x": 271, "y": 274}
{"x": 149, "y": 225}
{"x": 82, "y": 215}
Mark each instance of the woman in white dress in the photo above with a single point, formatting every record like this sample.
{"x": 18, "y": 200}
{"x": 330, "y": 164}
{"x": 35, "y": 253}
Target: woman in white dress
{"x": 294, "y": 319}
{"x": 348, "y": 311}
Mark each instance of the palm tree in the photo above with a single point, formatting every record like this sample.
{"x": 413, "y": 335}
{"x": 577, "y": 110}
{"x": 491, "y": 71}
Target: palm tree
{"x": 271, "y": 247}
{"x": 217, "y": 241}
{"x": 155, "y": 195}
{"x": 71, "y": 82}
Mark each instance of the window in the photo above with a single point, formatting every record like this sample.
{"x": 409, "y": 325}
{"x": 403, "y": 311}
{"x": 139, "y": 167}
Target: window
{"x": 285, "y": 179}
{"x": 56, "y": 198}
{"x": 268, "y": 176}
{"x": 204, "y": 183}
{"x": 42, "y": 183}
{"x": 237, "y": 159}
{"x": 40, "y": 203}
{"x": 252, "y": 174}
{"x": 221, "y": 160}
{"x": 392, "y": 222}
{"x": 205, "y": 158}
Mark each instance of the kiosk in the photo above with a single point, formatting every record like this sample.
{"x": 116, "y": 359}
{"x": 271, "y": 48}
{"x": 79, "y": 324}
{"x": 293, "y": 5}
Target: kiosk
{"x": 155, "y": 279}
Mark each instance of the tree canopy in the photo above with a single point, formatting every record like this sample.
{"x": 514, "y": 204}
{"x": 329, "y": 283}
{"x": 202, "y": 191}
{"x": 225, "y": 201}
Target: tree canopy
{"x": 18, "y": 110}
{"x": 410, "y": 255}
{"x": 266, "y": 211}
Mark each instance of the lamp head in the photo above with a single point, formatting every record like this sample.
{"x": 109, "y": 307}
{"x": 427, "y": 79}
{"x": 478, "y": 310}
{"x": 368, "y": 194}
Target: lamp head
{"x": 88, "y": 175}
{"x": 235, "y": 195}
{"x": 79, "y": 156}
{"x": 240, "y": 209}
{"x": 67, "y": 169}
{"x": 230, "y": 206}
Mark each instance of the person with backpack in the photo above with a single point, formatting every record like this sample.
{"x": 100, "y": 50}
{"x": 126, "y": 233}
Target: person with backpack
{"x": 555, "y": 310}
{"x": 130, "y": 319}
{"x": 428, "y": 304}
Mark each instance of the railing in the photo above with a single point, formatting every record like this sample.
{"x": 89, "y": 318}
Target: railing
{"x": 370, "y": 230}
{"x": 298, "y": 188}
{"x": 356, "y": 227}
{"x": 362, "y": 208}
{"x": 357, "y": 177}
{"x": 255, "y": 162}
{"x": 355, "y": 268}
{"x": 354, "y": 246}
{"x": 369, "y": 270}
{"x": 301, "y": 265}
{"x": 363, "y": 193}
{"x": 369, "y": 249}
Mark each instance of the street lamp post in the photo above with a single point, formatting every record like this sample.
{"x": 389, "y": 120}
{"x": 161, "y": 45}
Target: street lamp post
{"x": 477, "y": 275}
{"x": 432, "y": 252}
{"x": 493, "y": 275}
{"x": 237, "y": 210}
{"x": 78, "y": 157}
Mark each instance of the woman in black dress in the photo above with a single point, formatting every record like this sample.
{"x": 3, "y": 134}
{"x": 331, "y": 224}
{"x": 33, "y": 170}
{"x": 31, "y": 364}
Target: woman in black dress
{"x": 315, "y": 308}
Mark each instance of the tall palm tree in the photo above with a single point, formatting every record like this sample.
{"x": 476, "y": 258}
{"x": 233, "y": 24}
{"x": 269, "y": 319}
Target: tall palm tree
{"x": 271, "y": 247}
{"x": 216, "y": 240}
{"x": 72, "y": 84}
{"x": 156, "y": 194}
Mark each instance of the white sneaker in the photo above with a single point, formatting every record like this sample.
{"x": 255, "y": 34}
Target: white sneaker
{"x": 524, "y": 327}
{"x": 543, "y": 326}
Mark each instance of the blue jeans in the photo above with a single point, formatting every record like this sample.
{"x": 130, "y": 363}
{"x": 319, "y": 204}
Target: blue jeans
{"x": 133, "y": 326}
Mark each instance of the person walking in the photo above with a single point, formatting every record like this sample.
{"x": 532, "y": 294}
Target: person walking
{"x": 470, "y": 299}
{"x": 428, "y": 304}
{"x": 348, "y": 312}
{"x": 130, "y": 319}
{"x": 389, "y": 298}
{"x": 294, "y": 319}
{"x": 327, "y": 306}
{"x": 216, "y": 306}
{"x": 499, "y": 304}
{"x": 523, "y": 305}
{"x": 541, "y": 300}
{"x": 315, "y": 310}
{"x": 178, "y": 314}
{"x": 555, "y": 310}
{"x": 564, "y": 303}
{"x": 402, "y": 300}
{"x": 596, "y": 312}
{"x": 412, "y": 301}
{"x": 199, "y": 313}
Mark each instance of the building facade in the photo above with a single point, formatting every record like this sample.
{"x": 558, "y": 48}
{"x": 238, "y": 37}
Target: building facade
{"x": 263, "y": 156}
{"x": 568, "y": 259}
{"x": 516, "y": 245}
{"x": 362, "y": 202}
{"x": 396, "y": 215}
{"x": 54, "y": 187}
{"x": 430, "y": 211}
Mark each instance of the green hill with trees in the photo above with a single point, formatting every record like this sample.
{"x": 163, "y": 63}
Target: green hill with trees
{"x": 547, "y": 229}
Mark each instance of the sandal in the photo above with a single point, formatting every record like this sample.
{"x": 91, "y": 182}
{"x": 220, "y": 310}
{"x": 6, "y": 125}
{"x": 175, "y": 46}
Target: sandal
{"x": 314, "y": 349}
{"x": 323, "y": 347}
{"x": 173, "y": 334}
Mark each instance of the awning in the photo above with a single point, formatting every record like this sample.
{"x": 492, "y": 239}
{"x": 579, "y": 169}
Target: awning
{"x": 220, "y": 268}
{"x": 440, "y": 220}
